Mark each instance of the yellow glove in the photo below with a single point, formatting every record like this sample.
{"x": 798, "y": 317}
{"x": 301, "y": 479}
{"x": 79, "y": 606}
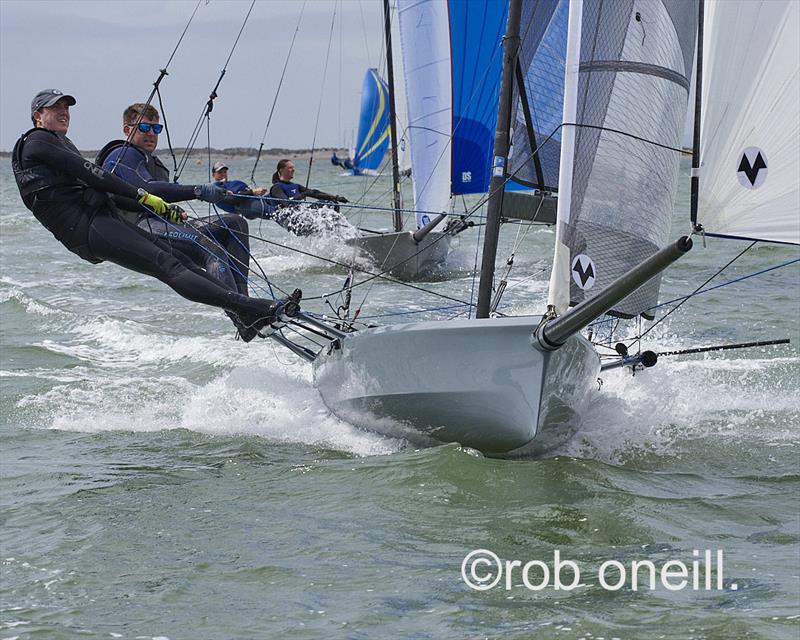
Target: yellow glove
{"x": 175, "y": 214}
{"x": 154, "y": 202}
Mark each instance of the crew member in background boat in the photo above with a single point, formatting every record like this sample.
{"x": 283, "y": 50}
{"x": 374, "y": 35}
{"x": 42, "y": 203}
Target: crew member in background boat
{"x": 284, "y": 189}
{"x": 70, "y": 196}
{"x": 286, "y": 199}
{"x": 344, "y": 163}
{"x": 219, "y": 243}
{"x": 247, "y": 201}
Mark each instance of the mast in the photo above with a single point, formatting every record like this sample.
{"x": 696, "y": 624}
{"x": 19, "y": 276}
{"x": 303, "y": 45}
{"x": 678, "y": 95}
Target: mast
{"x": 698, "y": 94}
{"x": 397, "y": 217}
{"x": 501, "y": 144}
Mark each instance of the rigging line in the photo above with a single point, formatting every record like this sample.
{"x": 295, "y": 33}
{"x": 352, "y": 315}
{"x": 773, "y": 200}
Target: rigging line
{"x": 406, "y": 313}
{"x": 233, "y": 260}
{"x": 629, "y": 135}
{"x": 526, "y": 278}
{"x": 354, "y": 267}
{"x": 349, "y": 205}
{"x": 235, "y": 235}
{"x": 162, "y": 74}
{"x": 321, "y": 96}
{"x": 368, "y": 189}
{"x": 678, "y": 306}
{"x": 369, "y": 289}
{"x": 474, "y": 267}
{"x": 278, "y": 90}
{"x": 340, "y": 264}
{"x": 552, "y": 133}
{"x": 339, "y": 96}
{"x": 734, "y": 281}
{"x": 524, "y": 233}
{"x": 166, "y": 130}
{"x": 185, "y": 29}
{"x": 364, "y": 32}
{"x": 235, "y": 264}
{"x": 209, "y": 106}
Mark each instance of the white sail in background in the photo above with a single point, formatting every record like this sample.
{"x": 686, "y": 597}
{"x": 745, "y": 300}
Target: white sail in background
{"x": 749, "y": 178}
{"x": 425, "y": 40}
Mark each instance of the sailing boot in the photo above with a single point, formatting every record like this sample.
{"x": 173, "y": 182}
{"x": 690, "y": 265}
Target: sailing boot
{"x": 254, "y": 314}
{"x": 243, "y": 332}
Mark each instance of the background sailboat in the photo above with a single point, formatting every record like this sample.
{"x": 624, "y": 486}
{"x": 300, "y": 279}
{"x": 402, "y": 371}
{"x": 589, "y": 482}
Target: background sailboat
{"x": 373, "y": 128}
{"x": 452, "y": 63}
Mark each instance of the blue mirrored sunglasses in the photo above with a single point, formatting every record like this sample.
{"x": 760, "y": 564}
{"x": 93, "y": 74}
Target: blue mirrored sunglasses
{"x": 145, "y": 127}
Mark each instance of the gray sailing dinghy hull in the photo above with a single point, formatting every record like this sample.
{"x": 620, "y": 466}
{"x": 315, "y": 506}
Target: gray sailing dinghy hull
{"x": 482, "y": 383}
{"x": 404, "y": 257}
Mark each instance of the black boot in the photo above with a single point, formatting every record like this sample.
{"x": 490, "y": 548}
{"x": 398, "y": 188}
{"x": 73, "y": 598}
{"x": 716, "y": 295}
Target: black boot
{"x": 243, "y": 332}
{"x": 256, "y": 313}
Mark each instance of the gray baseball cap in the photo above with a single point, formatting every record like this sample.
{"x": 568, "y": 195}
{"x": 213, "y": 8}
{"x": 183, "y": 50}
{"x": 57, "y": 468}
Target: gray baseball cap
{"x": 219, "y": 166}
{"x": 48, "y": 97}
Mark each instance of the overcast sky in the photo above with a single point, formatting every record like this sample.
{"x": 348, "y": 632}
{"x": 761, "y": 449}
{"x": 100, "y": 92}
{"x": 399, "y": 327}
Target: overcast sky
{"x": 108, "y": 55}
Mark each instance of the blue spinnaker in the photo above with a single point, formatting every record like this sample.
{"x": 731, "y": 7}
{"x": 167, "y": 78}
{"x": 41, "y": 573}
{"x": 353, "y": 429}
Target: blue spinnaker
{"x": 373, "y": 126}
{"x": 476, "y": 34}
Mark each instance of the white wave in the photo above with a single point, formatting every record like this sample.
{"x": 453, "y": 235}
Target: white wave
{"x": 721, "y": 399}
{"x": 277, "y": 402}
{"x": 31, "y": 306}
{"x": 280, "y": 404}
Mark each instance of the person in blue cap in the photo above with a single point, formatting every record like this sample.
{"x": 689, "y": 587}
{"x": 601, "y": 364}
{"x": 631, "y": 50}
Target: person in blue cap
{"x": 69, "y": 196}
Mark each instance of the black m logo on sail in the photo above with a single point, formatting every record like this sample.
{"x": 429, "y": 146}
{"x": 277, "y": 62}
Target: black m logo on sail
{"x": 752, "y": 169}
{"x": 583, "y": 273}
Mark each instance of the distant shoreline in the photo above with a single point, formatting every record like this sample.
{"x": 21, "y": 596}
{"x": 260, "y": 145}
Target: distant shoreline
{"x": 231, "y": 152}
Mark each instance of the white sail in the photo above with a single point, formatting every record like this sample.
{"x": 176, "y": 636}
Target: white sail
{"x": 425, "y": 41}
{"x": 749, "y": 177}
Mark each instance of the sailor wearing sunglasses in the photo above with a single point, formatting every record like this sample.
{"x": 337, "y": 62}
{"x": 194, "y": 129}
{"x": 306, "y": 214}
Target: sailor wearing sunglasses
{"x": 218, "y": 243}
{"x": 132, "y": 160}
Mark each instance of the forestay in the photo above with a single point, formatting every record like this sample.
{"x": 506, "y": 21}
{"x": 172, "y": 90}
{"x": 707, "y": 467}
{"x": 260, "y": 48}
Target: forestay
{"x": 749, "y": 185}
{"x": 626, "y": 89}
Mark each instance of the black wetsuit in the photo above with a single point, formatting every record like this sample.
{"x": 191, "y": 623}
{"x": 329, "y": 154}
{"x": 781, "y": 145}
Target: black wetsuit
{"x": 69, "y": 196}
{"x": 219, "y": 243}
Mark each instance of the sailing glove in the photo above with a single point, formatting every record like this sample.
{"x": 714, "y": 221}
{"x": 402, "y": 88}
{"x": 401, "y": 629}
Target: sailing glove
{"x": 175, "y": 214}
{"x": 153, "y": 202}
{"x": 209, "y": 192}
{"x": 341, "y": 199}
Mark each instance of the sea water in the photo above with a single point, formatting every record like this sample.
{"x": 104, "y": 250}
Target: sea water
{"x": 162, "y": 480}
